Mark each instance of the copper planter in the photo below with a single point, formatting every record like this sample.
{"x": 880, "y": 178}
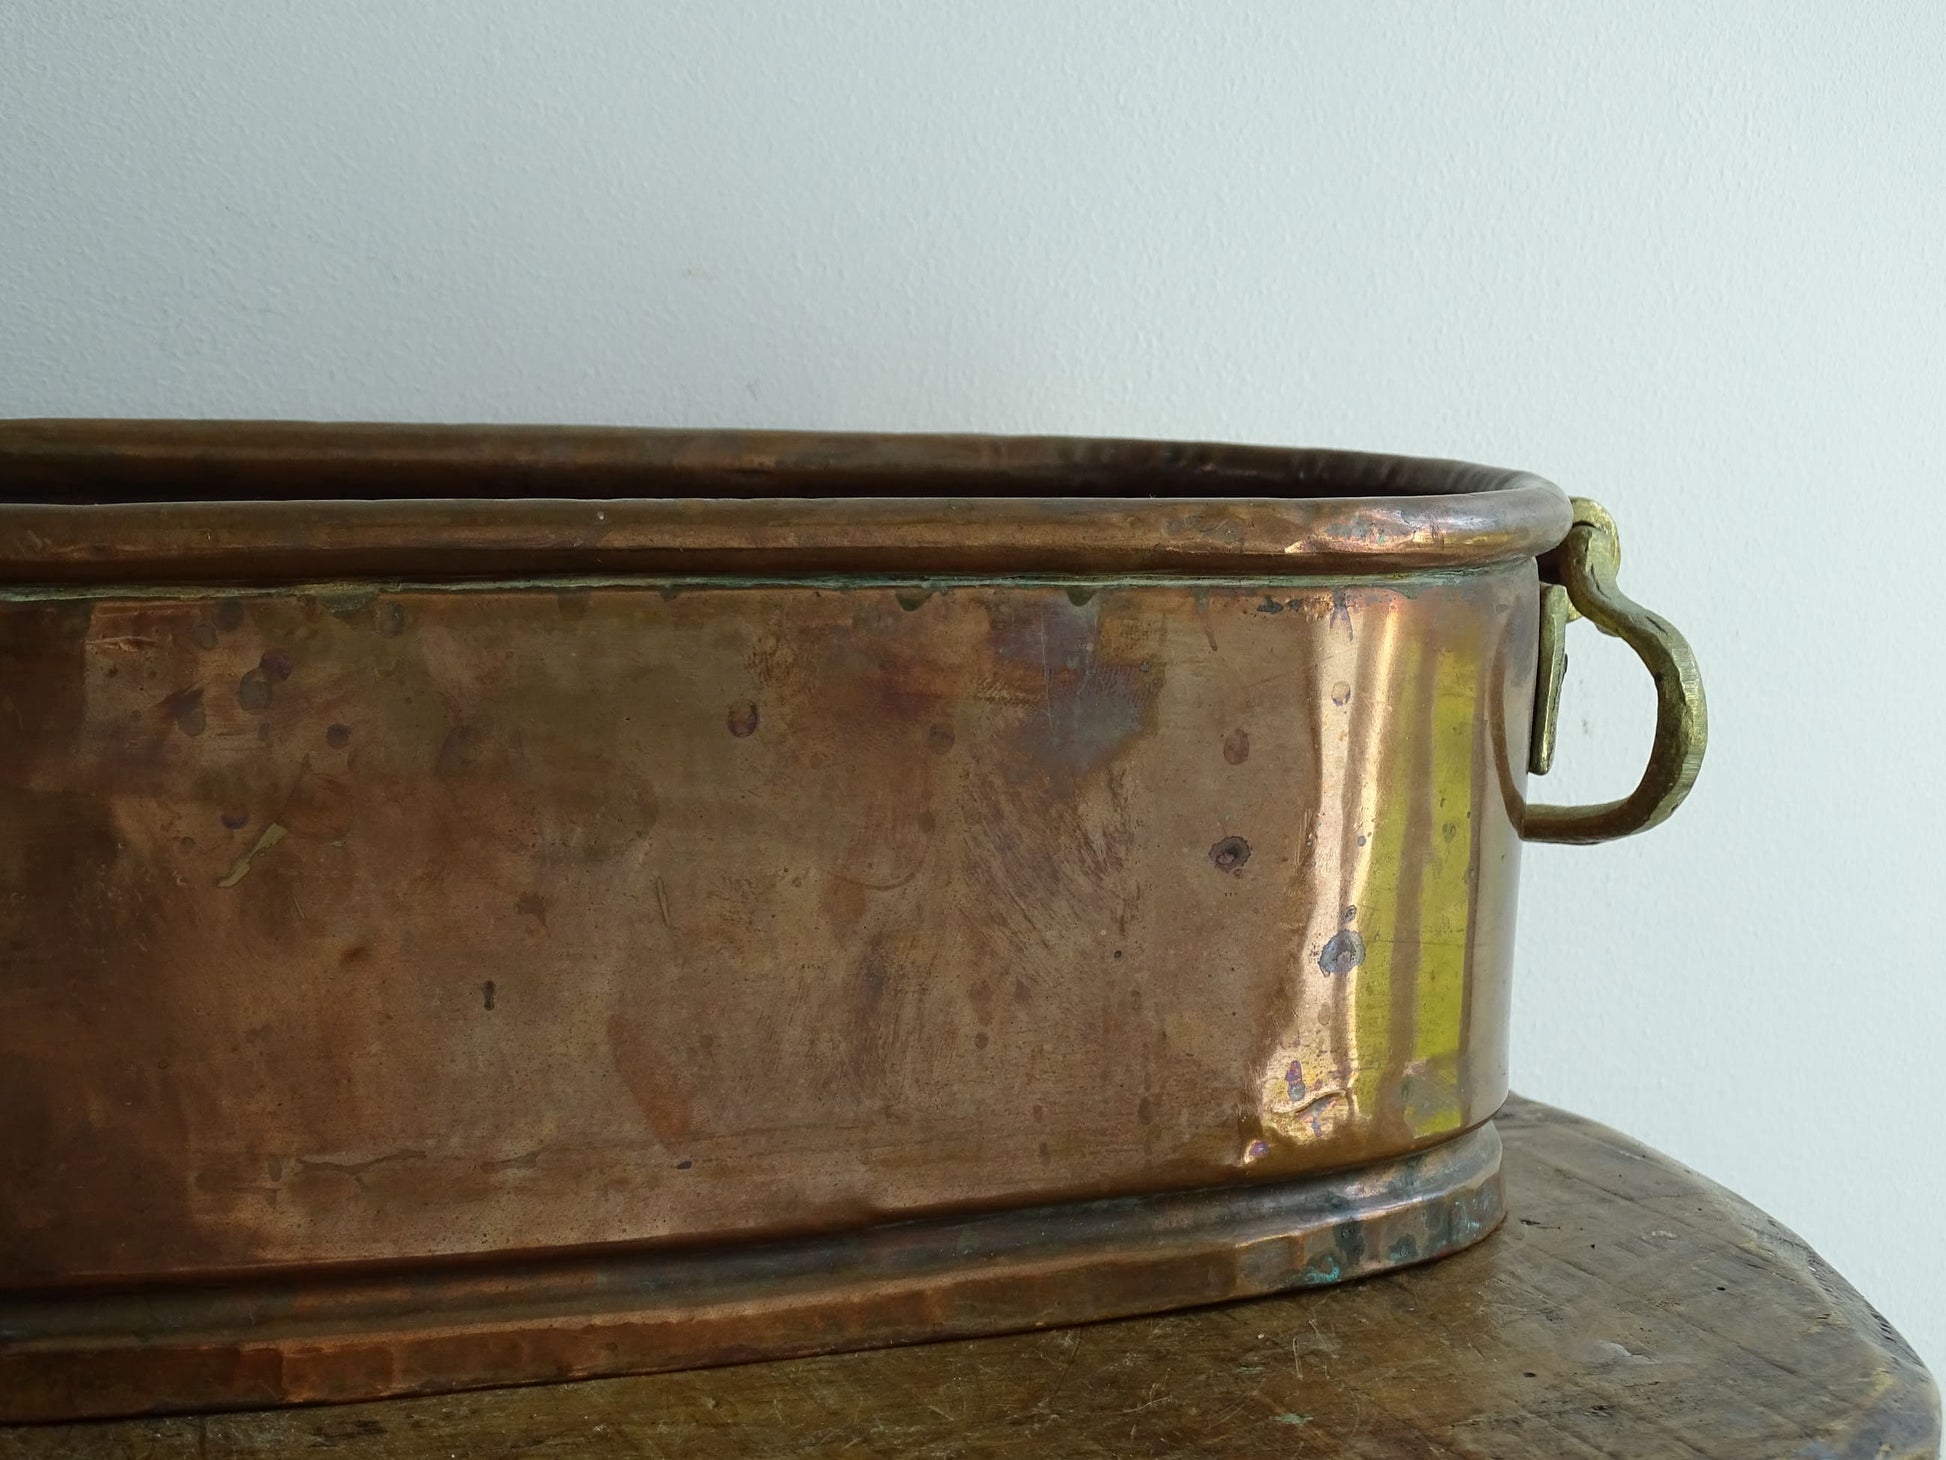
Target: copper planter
{"x": 492, "y": 905}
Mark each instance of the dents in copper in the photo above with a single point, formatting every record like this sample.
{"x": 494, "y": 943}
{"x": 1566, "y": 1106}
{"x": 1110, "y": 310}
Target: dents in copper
{"x": 1230, "y": 854}
{"x": 1342, "y": 952}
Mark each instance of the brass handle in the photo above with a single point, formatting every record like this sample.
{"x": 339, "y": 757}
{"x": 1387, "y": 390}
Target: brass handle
{"x": 1584, "y": 566}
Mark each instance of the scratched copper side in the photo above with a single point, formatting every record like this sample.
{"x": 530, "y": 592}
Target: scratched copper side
{"x": 361, "y": 924}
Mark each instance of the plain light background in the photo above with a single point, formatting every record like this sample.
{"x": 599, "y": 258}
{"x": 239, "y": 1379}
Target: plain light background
{"x": 1683, "y": 258}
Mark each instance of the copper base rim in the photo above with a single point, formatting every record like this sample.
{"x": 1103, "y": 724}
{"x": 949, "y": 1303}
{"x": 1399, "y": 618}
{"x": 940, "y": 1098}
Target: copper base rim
{"x": 327, "y": 1338}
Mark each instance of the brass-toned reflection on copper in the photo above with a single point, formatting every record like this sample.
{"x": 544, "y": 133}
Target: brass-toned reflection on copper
{"x": 794, "y": 837}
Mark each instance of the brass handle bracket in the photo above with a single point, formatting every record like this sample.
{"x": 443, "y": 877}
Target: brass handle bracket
{"x": 1579, "y": 582}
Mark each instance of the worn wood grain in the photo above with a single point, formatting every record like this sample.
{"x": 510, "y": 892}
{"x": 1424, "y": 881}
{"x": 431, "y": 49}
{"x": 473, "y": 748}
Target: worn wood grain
{"x": 1629, "y": 1307}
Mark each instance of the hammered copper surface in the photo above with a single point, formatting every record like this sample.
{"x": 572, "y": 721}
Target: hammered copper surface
{"x": 368, "y": 922}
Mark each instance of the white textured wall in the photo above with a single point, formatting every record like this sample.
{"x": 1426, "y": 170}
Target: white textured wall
{"x": 1684, "y": 258}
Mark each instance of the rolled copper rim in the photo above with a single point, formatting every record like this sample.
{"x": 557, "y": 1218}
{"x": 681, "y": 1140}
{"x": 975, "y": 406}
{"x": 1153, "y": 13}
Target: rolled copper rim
{"x": 271, "y": 501}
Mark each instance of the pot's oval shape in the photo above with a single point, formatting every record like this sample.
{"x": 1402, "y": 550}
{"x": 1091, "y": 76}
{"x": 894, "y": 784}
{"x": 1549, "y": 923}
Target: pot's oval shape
{"x": 448, "y": 844}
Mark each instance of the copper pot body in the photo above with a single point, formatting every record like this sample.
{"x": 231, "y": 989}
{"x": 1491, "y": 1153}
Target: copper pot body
{"x": 769, "y": 837}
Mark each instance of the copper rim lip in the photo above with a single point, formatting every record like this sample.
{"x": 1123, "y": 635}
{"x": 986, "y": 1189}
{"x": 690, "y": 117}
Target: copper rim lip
{"x": 269, "y": 501}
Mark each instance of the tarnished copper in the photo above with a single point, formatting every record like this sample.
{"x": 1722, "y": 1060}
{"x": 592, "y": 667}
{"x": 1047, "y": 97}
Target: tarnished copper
{"x": 397, "y": 877}
{"x": 324, "y": 1336}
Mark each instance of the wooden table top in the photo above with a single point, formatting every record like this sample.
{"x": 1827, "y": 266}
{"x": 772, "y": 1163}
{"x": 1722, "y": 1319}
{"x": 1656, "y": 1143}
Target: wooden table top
{"x": 1629, "y": 1307}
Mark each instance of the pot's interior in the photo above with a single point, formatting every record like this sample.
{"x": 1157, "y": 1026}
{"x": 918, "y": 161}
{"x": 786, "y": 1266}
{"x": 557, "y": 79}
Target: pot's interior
{"x": 79, "y": 461}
